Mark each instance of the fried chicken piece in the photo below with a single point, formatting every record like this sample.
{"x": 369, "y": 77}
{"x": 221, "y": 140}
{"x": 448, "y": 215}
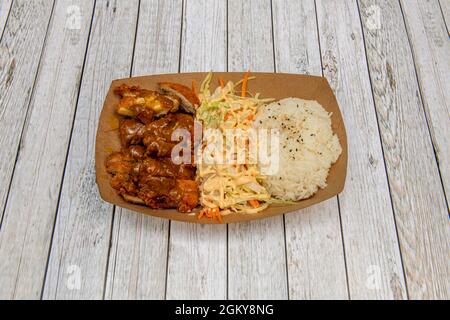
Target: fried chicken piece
{"x": 144, "y": 104}
{"x": 158, "y": 134}
{"x": 124, "y": 184}
{"x": 188, "y": 190}
{"x": 139, "y": 178}
{"x": 162, "y": 193}
{"x": 122, "y": 166}
{"x": 157, "y": 183}
{"x": 119, "y": 163}
{"x": 131, "y": 132}
{"x": 164, "y": 167}
{"x": 189, "y": 100}
{"x": 158, "y": 147}
{"x": 137, "y": 152}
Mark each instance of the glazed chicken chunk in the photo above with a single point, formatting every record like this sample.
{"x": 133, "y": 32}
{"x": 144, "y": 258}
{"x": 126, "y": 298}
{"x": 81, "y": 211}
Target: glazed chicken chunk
{"x": 157, "y": 183}
{"x": 144, "y": 104}
{"x": 160, "y": 192}
{"x": 143, "y": 172}
{"x": 156, "y": 136}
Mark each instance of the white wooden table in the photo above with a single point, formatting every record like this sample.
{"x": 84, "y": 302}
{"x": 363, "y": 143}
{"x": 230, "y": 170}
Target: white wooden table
{"x": 387, "y": 236}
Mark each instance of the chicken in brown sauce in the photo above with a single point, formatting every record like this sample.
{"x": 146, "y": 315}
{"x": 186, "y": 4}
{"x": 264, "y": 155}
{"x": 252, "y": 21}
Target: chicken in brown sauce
{"x": 143, "y": 171}
{"x": 145, "y": 104}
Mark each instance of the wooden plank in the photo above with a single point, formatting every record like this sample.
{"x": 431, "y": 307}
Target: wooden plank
{"x": 445, "y": 7}
{"x": 27, "y": 230}
{"x": 374, "y": 265}
{"x": 418, "y": 198}
{"x": 256, "y": 250}
{"x": 296, "y": 39}
{"x": 5, "y": 7}
{"x": 20, "y": 50}
{"x": 198, "y": 253}
{"x": 78, "y": 259}
{"x": 137, "y": 263}
{"x": 431, "y": 49}
{"x": 138, "y": 259}
{"x": 315, "y": 256}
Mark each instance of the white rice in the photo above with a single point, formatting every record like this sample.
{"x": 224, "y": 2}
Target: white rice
{"x": 308, "y": 147}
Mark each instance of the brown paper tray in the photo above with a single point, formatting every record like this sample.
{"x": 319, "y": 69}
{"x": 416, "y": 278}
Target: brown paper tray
{"x": 271, "y": 85}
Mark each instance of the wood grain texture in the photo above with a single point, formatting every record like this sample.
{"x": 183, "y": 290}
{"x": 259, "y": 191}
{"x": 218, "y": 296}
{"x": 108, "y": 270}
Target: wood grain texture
{"x": 78, "y": 259}
{"x": 445, "y": 7}
{"x": 256, "y": 250}
{"x": 138, "y": 259}
{"x": 416, "y": 190}
{"x": 118, "y": 254}
{"x": 431, "y": 49}
{"x": 198, "y": 253}
{"x": 374, "y": 266}
{"x": 5, "y": 7}
{"x": 20, "y": 50}
{"x": 137, "y": 263}
{"x": 315, "y": 256}
{"x": 296, "y": 39}
{"x": 27, "y": 230}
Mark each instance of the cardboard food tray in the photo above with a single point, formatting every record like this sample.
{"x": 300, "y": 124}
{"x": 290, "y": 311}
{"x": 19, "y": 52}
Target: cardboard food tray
{"x": 269, "y": 85}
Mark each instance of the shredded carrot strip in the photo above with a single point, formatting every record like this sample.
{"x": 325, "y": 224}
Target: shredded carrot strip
{"x": 227, "y": 116}
{"x": 222, "y": 83}
{"x": 211, "y": 213}
{"x": 219, "y": 216}
{"x": 254, "y": 203}
{"x": 194, "y": 86}
{"x": 250, "y": 117}
{"x": 201, "y": 214}
{"x": 216, "y": 213}
{"x": 244, "y": 84}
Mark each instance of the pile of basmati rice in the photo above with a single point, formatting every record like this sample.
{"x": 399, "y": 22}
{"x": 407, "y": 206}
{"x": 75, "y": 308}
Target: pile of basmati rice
{"x": 308, "y": 147}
